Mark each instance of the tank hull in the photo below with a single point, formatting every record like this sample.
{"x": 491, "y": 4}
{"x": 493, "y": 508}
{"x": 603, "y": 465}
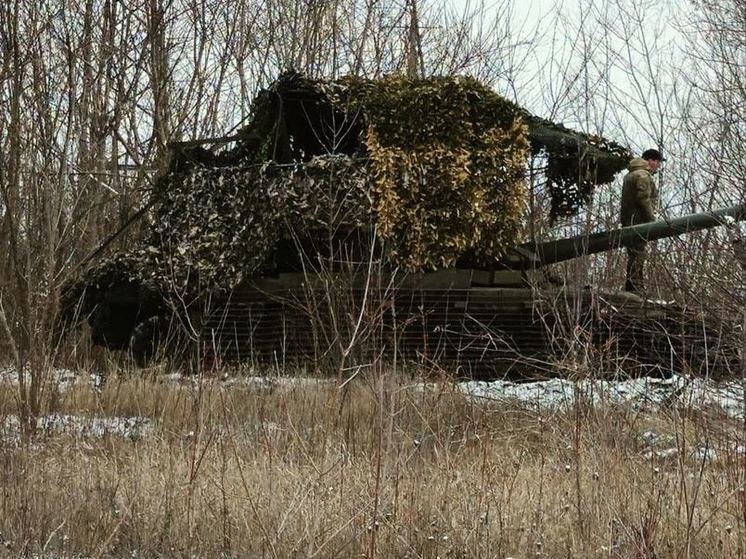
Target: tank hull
{"x": 477, "y": 332}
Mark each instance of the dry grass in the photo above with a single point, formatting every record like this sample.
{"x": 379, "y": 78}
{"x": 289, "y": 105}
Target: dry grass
{"x": 380, "y": 469}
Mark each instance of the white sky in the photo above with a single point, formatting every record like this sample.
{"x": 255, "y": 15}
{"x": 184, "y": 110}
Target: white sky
{"x": 635, "y": 99}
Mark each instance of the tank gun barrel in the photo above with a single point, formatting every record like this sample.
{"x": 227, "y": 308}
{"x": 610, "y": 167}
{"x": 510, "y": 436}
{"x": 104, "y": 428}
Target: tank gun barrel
{"x": 535, "y": 255}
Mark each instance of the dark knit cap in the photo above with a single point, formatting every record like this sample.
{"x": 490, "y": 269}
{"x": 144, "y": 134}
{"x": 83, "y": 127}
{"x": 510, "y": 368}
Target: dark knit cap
{"x": 653, "y": 154}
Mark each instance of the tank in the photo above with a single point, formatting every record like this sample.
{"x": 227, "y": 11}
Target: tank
{"x": 294, "y": 245}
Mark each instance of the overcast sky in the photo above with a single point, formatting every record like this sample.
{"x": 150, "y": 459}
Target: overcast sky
{"x": 634, "y": 108}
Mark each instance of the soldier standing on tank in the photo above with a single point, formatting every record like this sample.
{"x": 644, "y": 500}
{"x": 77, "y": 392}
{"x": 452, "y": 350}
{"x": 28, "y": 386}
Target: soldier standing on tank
{"x": 639, "y": 202}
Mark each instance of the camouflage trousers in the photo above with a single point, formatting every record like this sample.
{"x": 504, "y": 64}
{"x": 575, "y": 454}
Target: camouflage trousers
{"x": 636, "y": 255}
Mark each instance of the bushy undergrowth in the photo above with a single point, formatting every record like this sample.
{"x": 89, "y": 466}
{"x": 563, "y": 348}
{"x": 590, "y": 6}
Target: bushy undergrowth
{"x": 379, "y": 468}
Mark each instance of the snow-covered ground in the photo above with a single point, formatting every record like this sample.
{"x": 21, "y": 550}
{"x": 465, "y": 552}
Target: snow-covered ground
{"x": 641, "y": 393}
{"x": 645, "y": 393}
{"x": 63, "y": 379}
{"x": 726, "y": 399}
{"x": 252, "y": 381}
{"x": 79, "y": 426}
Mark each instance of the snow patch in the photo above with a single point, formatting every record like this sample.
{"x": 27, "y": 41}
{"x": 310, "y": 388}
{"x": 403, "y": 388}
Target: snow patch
{"x": 63, "y": 379}
{"x": 640, "y": 393}
{"x": 132, "y": 428}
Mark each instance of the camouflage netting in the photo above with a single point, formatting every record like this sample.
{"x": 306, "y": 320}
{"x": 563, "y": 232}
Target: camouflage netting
{"x": 575, "y": 164}
{"x": 448, "y": 162}
{"x": 216, "y": 226}
{"x": 437, "y": 166}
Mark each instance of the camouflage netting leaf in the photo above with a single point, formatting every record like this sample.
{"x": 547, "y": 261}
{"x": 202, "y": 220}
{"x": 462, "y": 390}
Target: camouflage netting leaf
{"x": 576, "y": 164}
{"x": 568, "y": 193}
{"x": 456, "y": 110}
{"x": 448, "y": 160}
{"x": 214, "y": 227}
{"x": 500, "y": 170}
{"x": 408, "y": 113}
{"x": 437, "y": 204}
{"x": 327, "y": 194}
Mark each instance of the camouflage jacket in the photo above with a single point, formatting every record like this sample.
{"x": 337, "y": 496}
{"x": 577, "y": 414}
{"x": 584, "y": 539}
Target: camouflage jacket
{"x": 639, "y": 194}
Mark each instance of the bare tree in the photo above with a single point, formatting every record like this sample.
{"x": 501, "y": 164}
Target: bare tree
{"x": 718, "y": 37}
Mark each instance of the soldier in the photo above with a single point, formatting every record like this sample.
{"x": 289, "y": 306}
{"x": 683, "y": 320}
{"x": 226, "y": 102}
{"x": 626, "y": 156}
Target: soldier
{"x": 639, "y": 201}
